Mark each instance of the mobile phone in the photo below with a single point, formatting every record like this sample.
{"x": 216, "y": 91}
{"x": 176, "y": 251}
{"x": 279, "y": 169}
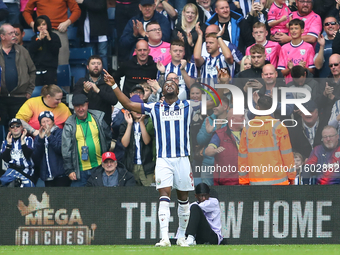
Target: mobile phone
{"x": 257, "y": 1}
{"x": 252, "y": 80}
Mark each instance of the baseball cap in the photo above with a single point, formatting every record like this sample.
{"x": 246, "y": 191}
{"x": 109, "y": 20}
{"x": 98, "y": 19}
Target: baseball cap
{"x": 136, "y": 99}
{"x": 14, "y": 120}
{"x": 79, "y": 99}
{"x": 108, "y": 155}
{"x": 137, "y": 87}
{"x": 145, "y": 2}
{"x": 46, "y": 114}
{"x": 310, "y": 106}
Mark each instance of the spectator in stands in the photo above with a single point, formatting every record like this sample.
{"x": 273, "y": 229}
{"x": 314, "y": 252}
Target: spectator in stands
{"x": 163, "y": 7}
{"x": 138, "y": 146}
{"x": 299, "y": 162}
{"x": 209, "y": 127}
{"x": 208, "y": 64}
{"x": 204, "y": 224}
{"x": 205, "y": 10}
{"x": 17, "y": 76}
{"x": 147, "y": 91}
{"x": 259, "y": 13}
{"x": 323, "y": 48}
{"x": 86, "y": 136}
{"x": 297, "y": 52}
{"x": 44, "y": 51}
{"x": 93, "y": 26}
{"x": 185, "y": 71}
{"x": 47, "y": 152}
{"x": 238, "y": 32}
{"x": 278, "y": 17}
{"x": 136, "y": 27}
{"x": 245, "y": 63}
{"x": 13, "y": 11}
{"x": 139, "y": 69}
{"x": 223, "y": 146}
{"x": 272, "y": 48}
{"x": 16, "y": 151}
{"x": 19, "y": 34}
{"x": 307, "y": 134}
{"x": 110, "y": 173}
{"x": 100, "y": 95}
{"x": 323, "y": 156}
{"x": 50, "y": 100}
{"x": 57, "y": 12}
{"x": 185, "y": 29}
{"x": 312, "y": 27}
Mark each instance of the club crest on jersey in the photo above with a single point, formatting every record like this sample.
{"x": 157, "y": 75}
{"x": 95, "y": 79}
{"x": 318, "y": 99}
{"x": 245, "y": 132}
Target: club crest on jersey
{"x": 337, "y": 154}
{"x": 163, "y": 50}
{"x": 269, "y": 50}
{"x": 302, "y": 52}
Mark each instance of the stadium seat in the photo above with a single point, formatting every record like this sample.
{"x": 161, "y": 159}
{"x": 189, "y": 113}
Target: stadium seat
{"x": 37, "y": 91}
{"x": 78, "y": 62}
{"x": 73, "y": 40}
{"x": 28, "y": 35}
{"x": 64, "y": 75}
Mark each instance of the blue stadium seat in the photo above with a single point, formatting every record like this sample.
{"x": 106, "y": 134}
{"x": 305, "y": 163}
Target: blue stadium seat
{"x": 73, "y": 40}
{"x": 37, "y": 91}
{"x": 64, "y": 76}
{"x": 29, "y": 33}
{"x": 78, "y": 62}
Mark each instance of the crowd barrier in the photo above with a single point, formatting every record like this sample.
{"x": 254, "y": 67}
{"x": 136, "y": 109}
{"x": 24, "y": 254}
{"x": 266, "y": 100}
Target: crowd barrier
{"x": 108, "y": 216}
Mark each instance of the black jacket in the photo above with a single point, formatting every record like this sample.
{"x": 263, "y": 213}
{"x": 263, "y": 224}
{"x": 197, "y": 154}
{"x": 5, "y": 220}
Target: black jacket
{"x": 44, "y": 53}
{"x": 135, "y": 73}
{"x": 125, "y": 178}
{"x": 146, "y": 151}
{"x": 101, "y": 101}
{"x": 98, "y": 18}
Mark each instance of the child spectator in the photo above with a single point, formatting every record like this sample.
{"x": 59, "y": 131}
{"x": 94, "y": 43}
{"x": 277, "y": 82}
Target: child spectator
{"x": 297, "y": 52}
{"x": 298, "y": 159}
{"x": 278, "y": 17}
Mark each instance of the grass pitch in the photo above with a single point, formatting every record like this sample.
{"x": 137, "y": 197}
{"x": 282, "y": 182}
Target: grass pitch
{"x": 174, "y": 250}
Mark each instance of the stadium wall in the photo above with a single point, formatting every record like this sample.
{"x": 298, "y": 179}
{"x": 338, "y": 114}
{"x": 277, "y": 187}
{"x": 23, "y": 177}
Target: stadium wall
{"x": 98, "y": 216}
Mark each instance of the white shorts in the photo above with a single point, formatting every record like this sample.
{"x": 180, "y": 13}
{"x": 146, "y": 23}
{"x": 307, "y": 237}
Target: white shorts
{"x": 174, "y": 172}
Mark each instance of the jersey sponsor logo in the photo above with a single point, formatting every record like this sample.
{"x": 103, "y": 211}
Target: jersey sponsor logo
{"x": 172, "y": 114}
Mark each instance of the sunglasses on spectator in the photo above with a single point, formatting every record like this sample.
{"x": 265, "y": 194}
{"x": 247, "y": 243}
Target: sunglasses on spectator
{"x": 330, "y": 23}
{"x": 15, "y": 126}
{"x": 335, "y": 64}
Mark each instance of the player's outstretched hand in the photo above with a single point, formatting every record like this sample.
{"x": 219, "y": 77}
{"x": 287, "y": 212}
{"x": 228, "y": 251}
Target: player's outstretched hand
{"x": 108, "y": 78}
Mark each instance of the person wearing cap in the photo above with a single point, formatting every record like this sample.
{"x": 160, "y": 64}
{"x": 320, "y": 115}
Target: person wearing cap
{"x": 204, "y": 225}
{"x": 137, "y": 90}
{"x": 47, "y": 152}
{"x": 99, "y": 94}
{"x": 16, "y": 151}
{"x": 138, "y": 146}
{"x": 171, "y": 120}
{"x": 110, "y": 173}
{"x": 307, "y": 133}
{"x": 86, "y": 136}
{"x": 135, "y": 29}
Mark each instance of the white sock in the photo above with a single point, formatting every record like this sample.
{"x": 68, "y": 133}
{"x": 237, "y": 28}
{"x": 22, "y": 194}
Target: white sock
{"x": 190, "y": 239}
{"x": 183, "y": 217}
{"x": 164, "y": 216}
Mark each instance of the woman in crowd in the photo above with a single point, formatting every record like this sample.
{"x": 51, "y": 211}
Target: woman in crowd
{"x": 50, "y": 100}
{"x": 47, "y": 152}
{"x": 245, "y": 63}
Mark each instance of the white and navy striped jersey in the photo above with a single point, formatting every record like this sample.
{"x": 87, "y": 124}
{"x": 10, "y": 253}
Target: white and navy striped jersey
{"x": 171, "y": 68}
{"x": 208, "y": 69}
{"x": 17, "y": 155}
{"x": 172, "y": 126}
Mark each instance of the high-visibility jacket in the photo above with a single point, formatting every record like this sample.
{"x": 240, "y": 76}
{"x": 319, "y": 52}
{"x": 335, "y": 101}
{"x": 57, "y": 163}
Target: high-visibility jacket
{"x": 265, "y": 153}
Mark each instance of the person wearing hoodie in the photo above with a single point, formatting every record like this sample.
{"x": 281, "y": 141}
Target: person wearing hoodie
{"x": 47, "y": 152}
{"x": 44, "y": 51}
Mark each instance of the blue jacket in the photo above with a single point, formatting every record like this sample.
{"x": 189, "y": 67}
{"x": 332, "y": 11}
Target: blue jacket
{"x": 128, "y": 41}
{"x": 50, "y": 165}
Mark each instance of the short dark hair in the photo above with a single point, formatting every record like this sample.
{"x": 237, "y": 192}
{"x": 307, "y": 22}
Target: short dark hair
{"x": 298, "y": 71}
{"x": 94, "y": 57}
{"x": 19, "y": 26}
{"x": 155, "y": 22}
{"x": 265, "y": 102}
{"x": 257, "y": 48}
{"x": 177, "y": 43}
{"x": 198, "y": 86}
{"x": 297, "y": 22}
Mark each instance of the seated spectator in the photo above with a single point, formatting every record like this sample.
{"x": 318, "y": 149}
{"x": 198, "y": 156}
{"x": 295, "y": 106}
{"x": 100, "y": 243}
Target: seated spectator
{"x": 297, "y": 52}
{"x": 323, "y": 48}
{"x": 136, "y": 27}
{"x": 19, "y": 34}
{"x": 110, "y": 173}
{"x": 147, "y": 91}
{"x": 259, "y": 13}
{"x": 16, "y": 151}
{"x": 204, "y": 224}
{"x": 47, "y": 152}
{"x": 138, "y": 69}
{"x": 245, "y": 63}
{"x": 86, "y": 136}
{"x": 99, "y": 94}
{"x": 138, "y": 146}
{"x": 278, "y": 17}
{"x": 163, "y": 7}
{"x": 272, "y": 48}
{"x": 50, "y": 100}
{"x": 185, "y": 29}
{"x": 44, "y": 51}
{"x": 185, "y": 71}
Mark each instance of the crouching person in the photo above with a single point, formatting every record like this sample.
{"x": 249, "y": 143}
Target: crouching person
{"x": 110, "y": 173}
{"x": 204, "y": 225}
{"x": 16, "y": 151}
{"x": 47, "y": 152}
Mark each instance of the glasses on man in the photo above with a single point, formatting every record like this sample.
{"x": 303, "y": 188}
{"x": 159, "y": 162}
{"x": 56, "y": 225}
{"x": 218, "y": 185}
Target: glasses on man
{"x": 15, "y": 126}
{"x": 330, "y": 23}
{"x": 328, "y": 136}
{"x": 139, "y": 92}
{"x": 11, "y": 33}
{"x": 335, "y": 64}
{"x": 155, "y": 30}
